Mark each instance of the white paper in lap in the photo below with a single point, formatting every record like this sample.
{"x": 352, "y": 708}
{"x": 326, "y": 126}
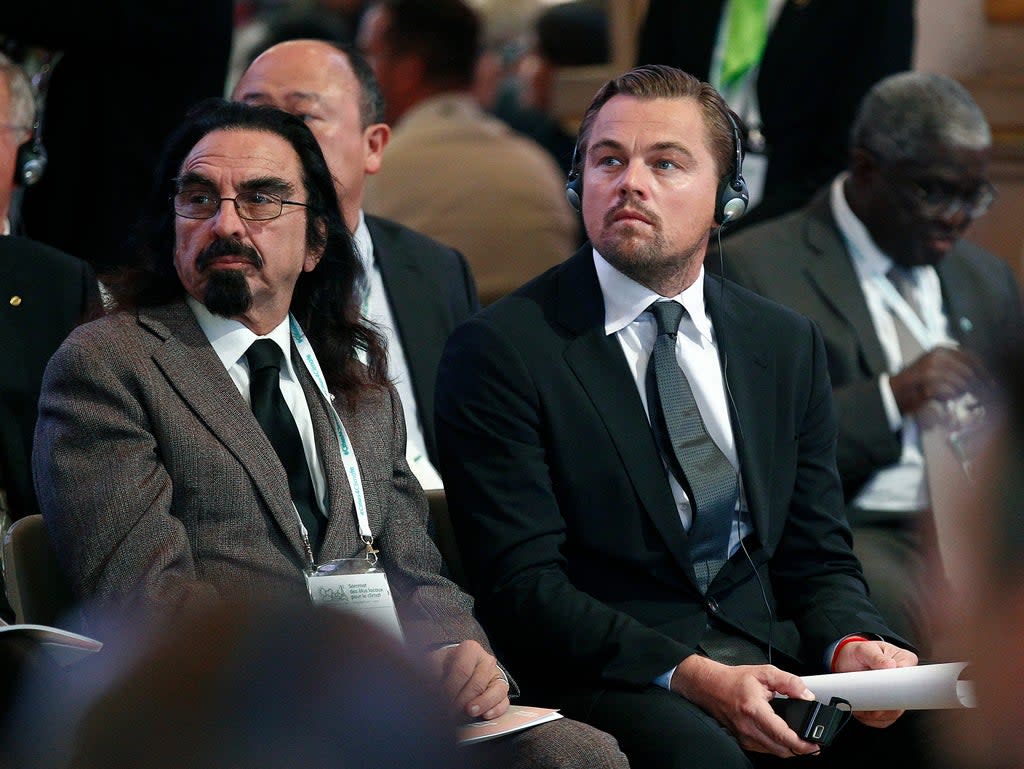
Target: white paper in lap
{"x": 924, "y": 687}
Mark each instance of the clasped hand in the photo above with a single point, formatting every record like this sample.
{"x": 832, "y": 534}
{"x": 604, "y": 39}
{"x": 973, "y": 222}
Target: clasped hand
{"x": 471, "y": 679}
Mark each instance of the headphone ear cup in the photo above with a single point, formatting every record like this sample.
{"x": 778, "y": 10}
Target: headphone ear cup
{"x": 30, "y": 163}
{"x": 574, "y": 192}
{"x": 732, "y": 199}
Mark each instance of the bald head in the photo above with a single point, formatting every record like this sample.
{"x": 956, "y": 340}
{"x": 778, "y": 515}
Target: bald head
{"x": 336, "y": 96}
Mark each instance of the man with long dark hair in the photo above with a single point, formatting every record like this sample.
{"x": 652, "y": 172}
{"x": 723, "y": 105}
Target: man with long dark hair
{"x": 217, "y": 437}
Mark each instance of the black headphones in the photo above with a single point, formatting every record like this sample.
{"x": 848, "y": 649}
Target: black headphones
{"x": 31, "y": 161}
{"x": 732, "y": 199}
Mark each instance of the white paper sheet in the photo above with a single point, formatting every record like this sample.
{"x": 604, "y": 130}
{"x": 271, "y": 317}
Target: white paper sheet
{"x": 924, "y": 687}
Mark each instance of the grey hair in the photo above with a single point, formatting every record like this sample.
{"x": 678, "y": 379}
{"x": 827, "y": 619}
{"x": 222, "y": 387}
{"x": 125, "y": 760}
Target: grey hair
{"x": 22, "y": 110}
{"x": 903, "y": 114}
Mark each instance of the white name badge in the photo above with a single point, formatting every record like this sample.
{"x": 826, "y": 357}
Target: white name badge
{"x": 356, "y": 586}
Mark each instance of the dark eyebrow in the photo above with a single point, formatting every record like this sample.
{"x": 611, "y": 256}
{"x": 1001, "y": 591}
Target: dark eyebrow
{"x": 272, "y": 184}
{"x": 611, "y": 144}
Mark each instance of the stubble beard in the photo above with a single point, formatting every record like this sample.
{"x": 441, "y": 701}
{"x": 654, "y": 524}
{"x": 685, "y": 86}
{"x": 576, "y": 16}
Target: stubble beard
{"x": 648, "y": 261}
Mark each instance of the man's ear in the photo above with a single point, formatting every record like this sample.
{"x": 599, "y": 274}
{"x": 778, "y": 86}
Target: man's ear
{"x": 375, "y": 139}
{"x": 863, "y": 164}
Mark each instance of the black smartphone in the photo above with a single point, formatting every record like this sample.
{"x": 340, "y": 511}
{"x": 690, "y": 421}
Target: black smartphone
{"x": 814, "y": 721}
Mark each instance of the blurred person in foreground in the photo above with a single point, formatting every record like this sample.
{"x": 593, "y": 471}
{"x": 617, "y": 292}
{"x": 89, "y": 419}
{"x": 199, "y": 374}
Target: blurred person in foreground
{"x": 912, "y": 314}
{"x": 677, "y": 559}
{"x": 250, "y": 444}
{"x": 262, "y": 685}
{"x": 454, "y": 172}
{"x": 416, "y": 291}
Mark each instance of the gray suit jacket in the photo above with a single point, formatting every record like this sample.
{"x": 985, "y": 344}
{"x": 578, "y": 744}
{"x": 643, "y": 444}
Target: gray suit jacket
{"x": 159, "y": 488}
{"x": 801, "y": 261}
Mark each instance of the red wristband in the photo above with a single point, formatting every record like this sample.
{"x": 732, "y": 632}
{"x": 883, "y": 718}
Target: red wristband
{"x": 839, "y": 647}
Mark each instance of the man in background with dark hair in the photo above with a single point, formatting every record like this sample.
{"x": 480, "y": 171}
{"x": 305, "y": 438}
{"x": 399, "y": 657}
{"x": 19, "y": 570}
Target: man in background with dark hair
{"x": 454, "y": 172}
{"x": 416, "y": 290}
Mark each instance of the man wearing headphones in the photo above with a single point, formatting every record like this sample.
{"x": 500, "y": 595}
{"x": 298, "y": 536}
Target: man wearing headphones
{"x": 639, "y": 460}
{"x": 44, "y": 293}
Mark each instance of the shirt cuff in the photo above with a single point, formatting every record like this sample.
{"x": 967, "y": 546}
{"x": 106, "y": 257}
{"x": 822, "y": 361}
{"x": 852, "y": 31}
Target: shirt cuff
{"x": 665, "y": 679}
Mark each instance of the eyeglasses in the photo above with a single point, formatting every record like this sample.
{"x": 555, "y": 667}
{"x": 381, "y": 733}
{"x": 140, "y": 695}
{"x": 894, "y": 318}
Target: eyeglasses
{"x": 251, "y": 205}
{"x": 941, "y": 200}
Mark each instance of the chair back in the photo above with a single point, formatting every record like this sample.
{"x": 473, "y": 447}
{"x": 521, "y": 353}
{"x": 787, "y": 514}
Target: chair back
{"x": 36, "y": 586}
{"x": 444, "y": 536}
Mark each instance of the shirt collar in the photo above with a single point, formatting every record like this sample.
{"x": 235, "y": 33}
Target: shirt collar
{"x": 231, "y": 338}
{"x": 868, "y": 258}
{"x": 363, "y": 243}
{"x": 625, "y": 299}
{"x": 6, "y": 229}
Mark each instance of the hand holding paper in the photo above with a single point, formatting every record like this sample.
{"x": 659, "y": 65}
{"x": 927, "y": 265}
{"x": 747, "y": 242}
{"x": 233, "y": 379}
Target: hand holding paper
{"x": 872, "y": 655}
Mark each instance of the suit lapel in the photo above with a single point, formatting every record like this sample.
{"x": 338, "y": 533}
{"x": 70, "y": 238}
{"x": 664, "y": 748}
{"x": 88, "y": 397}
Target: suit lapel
{"x": 404, "y": 289}
{"x": 338, "y": 538}
{"x": 750, "y": 386}
{"x": 197, "y": 375}
{"x": 834, "y": 278}
{"x": 597, "y": 361}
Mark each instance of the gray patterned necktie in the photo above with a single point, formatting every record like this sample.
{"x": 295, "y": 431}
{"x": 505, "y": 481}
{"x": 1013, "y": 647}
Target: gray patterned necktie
{"x": 693, "y": 457}
{"x": 910, "y": 348}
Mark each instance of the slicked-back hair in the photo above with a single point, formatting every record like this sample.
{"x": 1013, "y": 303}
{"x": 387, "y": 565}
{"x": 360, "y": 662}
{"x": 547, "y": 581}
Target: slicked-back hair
{"x": 371, "y": 100}
{"x": 22, "y": 107}
{"x": 445, "y": 34}
{"x": 658, "y": 81}
{"x": 324, "y": 299}
{"x": 906, "y": 114}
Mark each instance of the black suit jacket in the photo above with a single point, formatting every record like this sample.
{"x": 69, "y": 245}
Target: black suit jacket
{"x": 801, "y": 261}
{"x": 431, "y": 291}
{"x": 819, "y": 62}
{"x": 54, "y": 293}
{"x": 563, "y": 509}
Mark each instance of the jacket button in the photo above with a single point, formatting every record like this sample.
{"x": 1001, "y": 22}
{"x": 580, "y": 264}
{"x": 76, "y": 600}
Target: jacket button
{"x": 712, "y": 605}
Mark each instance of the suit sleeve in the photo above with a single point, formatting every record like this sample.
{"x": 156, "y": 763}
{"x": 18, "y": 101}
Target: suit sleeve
{"x": 104, "y": 493}
{"x": 433, "y": 609}
{"x": 504, "y": 505}
{"x": 816, "y": 578}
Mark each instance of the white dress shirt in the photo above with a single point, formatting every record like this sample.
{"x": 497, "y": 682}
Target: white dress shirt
{"x": 230, "y": 340}
{"x": 625, "y": 305}
{"x": 375, "y": 308}
{"x": 901, "y": 486}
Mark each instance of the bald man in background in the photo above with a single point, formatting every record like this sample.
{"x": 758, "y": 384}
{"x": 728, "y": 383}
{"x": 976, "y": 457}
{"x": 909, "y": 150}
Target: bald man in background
{"x": 418, "y": 290}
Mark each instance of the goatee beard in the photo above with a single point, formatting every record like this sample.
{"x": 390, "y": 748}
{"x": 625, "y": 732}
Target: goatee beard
{"x": 227, "y": 293}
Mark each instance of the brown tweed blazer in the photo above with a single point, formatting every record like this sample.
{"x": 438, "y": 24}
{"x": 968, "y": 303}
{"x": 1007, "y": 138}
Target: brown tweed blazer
{"x": 159, "y": 488}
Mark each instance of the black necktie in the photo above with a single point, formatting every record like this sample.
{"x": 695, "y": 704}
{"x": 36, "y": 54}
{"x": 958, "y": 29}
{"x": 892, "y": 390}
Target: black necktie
{"x": 693, "y": 457}
{"x": 276, "y": 419}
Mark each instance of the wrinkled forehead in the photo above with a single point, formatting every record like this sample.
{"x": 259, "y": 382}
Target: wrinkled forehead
{"x": 238, "y": 155}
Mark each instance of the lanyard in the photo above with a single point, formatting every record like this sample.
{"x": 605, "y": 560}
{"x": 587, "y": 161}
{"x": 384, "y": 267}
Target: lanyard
{"x": 928, "y": 332}
{"x": 348, "y": 458}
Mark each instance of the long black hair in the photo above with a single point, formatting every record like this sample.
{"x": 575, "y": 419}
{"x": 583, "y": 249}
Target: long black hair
{"x": 324, "y": 301}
